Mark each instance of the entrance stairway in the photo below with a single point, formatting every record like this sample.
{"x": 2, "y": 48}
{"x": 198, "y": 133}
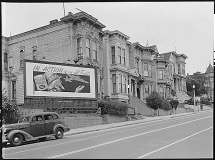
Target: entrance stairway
{"x": 141, "y": 107}
{"x": 181, "y": 96}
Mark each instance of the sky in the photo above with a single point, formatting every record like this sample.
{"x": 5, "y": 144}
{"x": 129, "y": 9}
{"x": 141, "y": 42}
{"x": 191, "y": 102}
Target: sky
{"x": 184, "y": 27}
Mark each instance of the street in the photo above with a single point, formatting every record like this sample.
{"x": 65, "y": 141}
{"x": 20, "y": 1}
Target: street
{"x": 189, "y": 136}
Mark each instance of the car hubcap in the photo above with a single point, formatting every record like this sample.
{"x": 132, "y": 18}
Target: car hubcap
{"x": 16, "y": 139}
{"x": 59, "y": 133}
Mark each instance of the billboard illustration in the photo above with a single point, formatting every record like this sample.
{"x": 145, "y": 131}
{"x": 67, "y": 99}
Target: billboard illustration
{"x": 59, "y": 80}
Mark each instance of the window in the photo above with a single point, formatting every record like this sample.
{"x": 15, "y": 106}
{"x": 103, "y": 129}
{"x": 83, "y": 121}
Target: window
{"x": 10, "y": 62}
{"x": 88, "y": 47}
{"x": 137, "y": 65}
{"x": 124, "y": 85}
{"x": 146, "y": 70}
{"x": 179, "y": 69}
{"x": 114, "y": 82}
{"x": 55, "y": 116}
{"x": 22, "y": 56}
{"x": 6, "y": 61}
{"x": 183, "y": 69}
{"x": 113, "y": 54}
{"x": 120, "y": 83}
{"x": 120, "y": 56}
{"x": 48, "y": 117}
{"x": 161, "y": 91}
{"x": 123, "y": 56}
{"x": 94, "y": 50}
{"x": 160, "y": 74}
{"x": 13, "y": 89}
{"x": 34, "y": 48}
{"x": 150, "y": 70}
{"x": 79, "y": 48}
{"x": 37, "y": 118}
{"x": 146, "y": 88}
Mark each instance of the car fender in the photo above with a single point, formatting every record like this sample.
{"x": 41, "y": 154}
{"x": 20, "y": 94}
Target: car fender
{"x": 58, "y": 126}
{"x": 26, "y": 135}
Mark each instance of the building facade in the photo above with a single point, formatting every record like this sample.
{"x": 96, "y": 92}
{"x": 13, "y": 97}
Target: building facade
{"x": 123, "y": 68}
{"x": 209, "y": 84}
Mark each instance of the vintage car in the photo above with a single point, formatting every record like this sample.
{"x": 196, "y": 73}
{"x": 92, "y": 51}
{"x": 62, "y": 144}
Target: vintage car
{"x": 32, "y": 127}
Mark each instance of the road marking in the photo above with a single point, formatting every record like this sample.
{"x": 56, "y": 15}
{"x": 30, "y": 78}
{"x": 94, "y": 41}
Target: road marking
{"x": 173, "y": 143}
{"x": 102, "y": 144}
{"x": 94, "y": 136}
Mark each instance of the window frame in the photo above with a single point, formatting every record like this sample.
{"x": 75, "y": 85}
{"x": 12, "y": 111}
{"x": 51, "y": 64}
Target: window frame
{"x": 113, "y": 54}
{"x": 114, "y": 82}
{"x": 88, "y": 47}
{"x": 5, "y": 61}
{"x": 160, "y": 75}
{"x": 80, "y": 47}
{"x": 13, "y": 83}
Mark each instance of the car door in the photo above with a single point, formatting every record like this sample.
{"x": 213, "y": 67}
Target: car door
{"x": 37, "y": 126}
{"x": 49, "y": 123}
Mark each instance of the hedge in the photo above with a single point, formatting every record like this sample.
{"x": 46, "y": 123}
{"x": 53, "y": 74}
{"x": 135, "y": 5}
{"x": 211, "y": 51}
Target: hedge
{"x": 113, "y": 107}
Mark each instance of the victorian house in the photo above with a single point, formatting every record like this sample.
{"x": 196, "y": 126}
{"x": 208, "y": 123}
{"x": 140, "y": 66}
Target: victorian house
{"x": 126, "y": 71}
{"x": 209, "y": 84}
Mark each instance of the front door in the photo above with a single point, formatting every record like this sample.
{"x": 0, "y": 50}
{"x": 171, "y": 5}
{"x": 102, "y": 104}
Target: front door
{"x": 37, "y": 126}
{"x": 49, "y": 123}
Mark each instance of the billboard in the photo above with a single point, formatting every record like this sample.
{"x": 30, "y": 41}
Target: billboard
{"x": 47, "y": 79}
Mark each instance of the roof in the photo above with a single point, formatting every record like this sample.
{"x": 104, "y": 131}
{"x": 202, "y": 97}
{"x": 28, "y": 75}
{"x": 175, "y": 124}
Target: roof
{"x": 117, "y": 32}
{"x": 209, "y": 69}
{"x": 166, "y": 55}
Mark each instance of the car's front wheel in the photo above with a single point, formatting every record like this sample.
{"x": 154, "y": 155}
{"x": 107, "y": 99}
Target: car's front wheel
{"x": 17, "y": 140}
{"x": 59, "y": 133}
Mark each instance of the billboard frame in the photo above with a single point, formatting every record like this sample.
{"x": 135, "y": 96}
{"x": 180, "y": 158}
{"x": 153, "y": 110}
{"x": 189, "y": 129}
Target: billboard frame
{"x": 95, "y": 97}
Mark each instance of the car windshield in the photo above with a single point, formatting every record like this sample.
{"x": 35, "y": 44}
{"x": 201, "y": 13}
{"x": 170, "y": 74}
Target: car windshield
{"x": 24, "y": 119}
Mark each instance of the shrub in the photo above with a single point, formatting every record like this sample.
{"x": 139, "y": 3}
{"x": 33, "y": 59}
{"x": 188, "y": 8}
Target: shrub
{"x": 154, "y": 101}
{"x": 205, "y": 100}
{"x": 166, "y": 105}
{"x": 113, "y": 107}
{"x": 9, "y": 111}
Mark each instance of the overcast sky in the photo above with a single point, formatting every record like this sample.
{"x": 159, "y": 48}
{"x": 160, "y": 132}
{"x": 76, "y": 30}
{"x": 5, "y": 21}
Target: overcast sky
{"x": 187, "y": 27}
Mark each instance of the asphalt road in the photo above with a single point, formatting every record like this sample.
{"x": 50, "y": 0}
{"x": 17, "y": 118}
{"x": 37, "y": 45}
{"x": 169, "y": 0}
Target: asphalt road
{"x": 189, "y": 136}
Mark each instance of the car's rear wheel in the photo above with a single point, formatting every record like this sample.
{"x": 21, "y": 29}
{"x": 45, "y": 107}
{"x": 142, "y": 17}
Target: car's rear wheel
{"x": 59, "y": 133}
{"x": 17, "y": 140}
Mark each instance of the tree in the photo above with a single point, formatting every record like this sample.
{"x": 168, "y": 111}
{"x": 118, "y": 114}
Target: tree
{"x": 154, "y": 101}
{"x": 198, "y": 79}
{"x": 9, "y": 111}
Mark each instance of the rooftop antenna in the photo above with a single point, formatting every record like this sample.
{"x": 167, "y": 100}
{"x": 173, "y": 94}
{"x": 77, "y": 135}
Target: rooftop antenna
{"x": 147, "y": 43}
{"x": 64, "y": 9}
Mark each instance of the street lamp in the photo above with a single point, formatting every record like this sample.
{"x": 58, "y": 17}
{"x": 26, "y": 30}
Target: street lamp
{"x": 194, "y": 96}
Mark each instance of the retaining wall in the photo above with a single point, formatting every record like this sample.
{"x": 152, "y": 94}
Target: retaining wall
{"x": 107, "y": 119}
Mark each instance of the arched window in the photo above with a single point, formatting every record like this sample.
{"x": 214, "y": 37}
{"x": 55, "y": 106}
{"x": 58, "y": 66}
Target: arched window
{"x": 79, "y": 48}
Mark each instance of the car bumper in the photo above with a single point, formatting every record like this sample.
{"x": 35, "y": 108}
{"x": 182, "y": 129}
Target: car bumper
{"x": 67, "y": 129}
{"x": 4, "y": 140}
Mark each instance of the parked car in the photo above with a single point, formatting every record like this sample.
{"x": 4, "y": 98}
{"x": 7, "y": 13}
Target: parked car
{"x": 32, "y": 127}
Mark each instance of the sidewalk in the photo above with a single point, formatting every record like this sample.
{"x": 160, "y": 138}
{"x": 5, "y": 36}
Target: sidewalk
{"x": 114, "y": 125}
